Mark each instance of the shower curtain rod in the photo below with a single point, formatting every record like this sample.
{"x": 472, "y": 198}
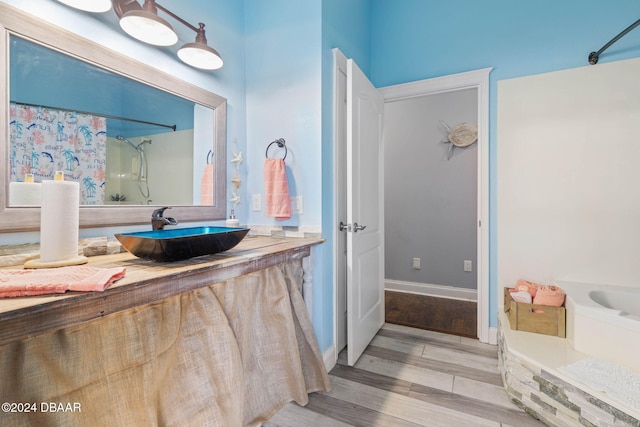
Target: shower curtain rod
{"x": 107, "y": 116}
{"x": 593, "y": 56}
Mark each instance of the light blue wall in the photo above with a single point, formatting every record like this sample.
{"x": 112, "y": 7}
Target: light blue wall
{"x": 346, "y": 24}
{"x": 289, "y": 80}
{"x": 283, "y": 100}
{"x": 419, "y": 39}
{"x": 284, "y": 81}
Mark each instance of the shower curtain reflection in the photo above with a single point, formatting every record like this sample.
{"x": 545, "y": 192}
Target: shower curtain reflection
{"x": 45, "y": 140}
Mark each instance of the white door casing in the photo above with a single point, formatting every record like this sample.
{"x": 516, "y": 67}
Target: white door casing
{"x": 365, "y": 212}
{"x": 340, "y": 194}
{"x": 478, "y": 79}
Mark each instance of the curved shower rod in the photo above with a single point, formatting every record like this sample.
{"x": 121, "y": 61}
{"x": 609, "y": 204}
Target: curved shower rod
{"x": 593, "y": 56}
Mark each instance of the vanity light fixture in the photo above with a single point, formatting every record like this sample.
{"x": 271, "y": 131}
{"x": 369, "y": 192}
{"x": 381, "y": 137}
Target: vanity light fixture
{"x": 96, "y": 6}
{"x": 199, "y": 54}
{"x": 144, "y": 24}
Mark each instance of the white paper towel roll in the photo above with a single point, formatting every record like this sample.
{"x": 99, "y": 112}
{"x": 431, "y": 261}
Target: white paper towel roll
{"x": 59, "y": 220}
{"x": 24, "y": 193}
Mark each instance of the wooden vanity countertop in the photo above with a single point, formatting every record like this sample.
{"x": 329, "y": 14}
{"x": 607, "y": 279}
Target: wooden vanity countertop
{"x": 145, "y": 282}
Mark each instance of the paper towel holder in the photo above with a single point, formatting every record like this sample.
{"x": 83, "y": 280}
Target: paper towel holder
{"x": 53, "y": 193}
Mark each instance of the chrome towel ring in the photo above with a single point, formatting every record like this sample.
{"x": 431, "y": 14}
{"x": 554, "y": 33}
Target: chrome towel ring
{"x": 281, "y": 144}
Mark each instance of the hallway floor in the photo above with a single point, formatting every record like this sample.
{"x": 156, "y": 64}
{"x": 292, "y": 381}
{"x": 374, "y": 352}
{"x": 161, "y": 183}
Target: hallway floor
{"x": 448, "y": 315}
{"x": 412, "y": 377}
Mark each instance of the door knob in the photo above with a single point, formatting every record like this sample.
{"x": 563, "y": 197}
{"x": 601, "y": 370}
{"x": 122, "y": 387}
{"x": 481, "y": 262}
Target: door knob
{"x": 357, "y": 227}
{"x": 344, "y": 227}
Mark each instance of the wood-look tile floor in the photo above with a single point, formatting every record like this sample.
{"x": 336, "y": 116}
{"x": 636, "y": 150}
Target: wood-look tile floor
{"x": 412, "y": 377}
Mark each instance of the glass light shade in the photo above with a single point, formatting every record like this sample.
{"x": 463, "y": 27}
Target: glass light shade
{"x": 96, "y": 6}
{"x": 201, "y": 56}
{"x": 148, "y": 27}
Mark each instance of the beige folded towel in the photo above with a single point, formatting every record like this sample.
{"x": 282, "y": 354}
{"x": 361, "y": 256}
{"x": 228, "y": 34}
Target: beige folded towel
{"x": 526, "y": 286}
{"x": 523, "y": 297}
{"x": 19, "y": 283}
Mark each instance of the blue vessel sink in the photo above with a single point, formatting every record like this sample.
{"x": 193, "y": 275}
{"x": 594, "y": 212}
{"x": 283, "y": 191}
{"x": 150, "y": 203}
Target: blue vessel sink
{"x": 176, "y": 244}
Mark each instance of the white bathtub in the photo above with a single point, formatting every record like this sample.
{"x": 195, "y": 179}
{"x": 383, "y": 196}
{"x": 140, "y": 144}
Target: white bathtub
{"x": 604, "y": 321}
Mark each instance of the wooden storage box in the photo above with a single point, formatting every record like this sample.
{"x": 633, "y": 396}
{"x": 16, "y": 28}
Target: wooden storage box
{"x": 544, "y": 320}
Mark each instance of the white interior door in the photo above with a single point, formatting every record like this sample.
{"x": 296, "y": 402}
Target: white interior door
{"x": 365, "y": 210}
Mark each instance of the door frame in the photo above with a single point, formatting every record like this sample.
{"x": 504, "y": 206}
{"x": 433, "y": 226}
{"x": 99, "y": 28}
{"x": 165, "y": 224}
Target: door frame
{"x": 478, "y": 79}
{"x": 339, "y": 191}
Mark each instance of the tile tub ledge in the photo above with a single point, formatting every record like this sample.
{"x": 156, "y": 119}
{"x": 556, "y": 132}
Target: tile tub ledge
{"x": 529, "y": 365}
{"x": 145, "y": 282}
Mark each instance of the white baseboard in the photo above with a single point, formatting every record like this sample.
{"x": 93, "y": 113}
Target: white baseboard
{"x": 432, "y": 290}
{"x": 493, "y": 336}
{"x": 330, "y": 358}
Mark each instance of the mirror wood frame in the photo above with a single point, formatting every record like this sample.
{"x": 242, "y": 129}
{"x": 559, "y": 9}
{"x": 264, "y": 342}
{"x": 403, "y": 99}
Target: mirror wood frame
{"x": 16, "y": 219}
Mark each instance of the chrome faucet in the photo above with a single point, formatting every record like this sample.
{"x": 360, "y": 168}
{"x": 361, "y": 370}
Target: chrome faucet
{"x": 158, "y": 221}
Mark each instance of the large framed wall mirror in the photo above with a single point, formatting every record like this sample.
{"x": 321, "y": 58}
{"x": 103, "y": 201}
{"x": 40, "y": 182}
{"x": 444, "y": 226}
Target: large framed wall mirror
{"x": 133, "y": 137}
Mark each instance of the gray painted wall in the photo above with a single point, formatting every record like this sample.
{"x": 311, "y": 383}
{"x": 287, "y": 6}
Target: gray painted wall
{"x": 430, "y": 202}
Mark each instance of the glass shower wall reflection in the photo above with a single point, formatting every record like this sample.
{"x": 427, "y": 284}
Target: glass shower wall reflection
{"x": 158, "y": 172}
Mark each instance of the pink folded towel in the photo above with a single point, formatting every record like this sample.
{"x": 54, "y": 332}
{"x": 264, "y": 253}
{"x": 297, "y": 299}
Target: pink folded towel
{"x": 549, "y": 295}
{"x": 277, "y": 200}
{"x": 19, "y": 283}
{"x": 541, "y": 294}
{"x": 206, "y": 186}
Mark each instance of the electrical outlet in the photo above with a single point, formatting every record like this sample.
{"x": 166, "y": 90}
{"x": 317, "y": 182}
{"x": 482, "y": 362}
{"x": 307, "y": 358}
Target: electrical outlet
{"x": 256, "y": 202}
{"x": 299, "y": 209}
{"x": 416, "y": 263}
{"x": 468, "y": 265}
{"x": 296, "y": 205}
